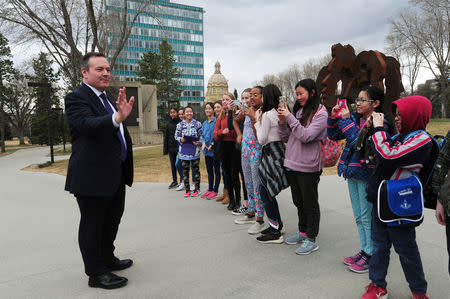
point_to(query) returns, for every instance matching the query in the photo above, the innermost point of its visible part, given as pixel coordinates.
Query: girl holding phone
(303, 130)
(355, 168)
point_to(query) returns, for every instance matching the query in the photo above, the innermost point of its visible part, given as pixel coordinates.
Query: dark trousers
(173, 160)
(404, 241)
(195, 173)
(447, 230)
(224, 177)
(213, 169)
(230, 162)
(99, 223)
(306, 198)
(271, 208)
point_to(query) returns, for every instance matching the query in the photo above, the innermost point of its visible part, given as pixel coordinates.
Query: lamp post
(61, 116)
(46, 87)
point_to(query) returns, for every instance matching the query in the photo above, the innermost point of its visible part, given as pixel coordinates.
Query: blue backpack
(402, 202)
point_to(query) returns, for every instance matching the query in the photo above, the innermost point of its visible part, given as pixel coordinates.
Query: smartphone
(237, 103)
(342, 103)
(282, 100)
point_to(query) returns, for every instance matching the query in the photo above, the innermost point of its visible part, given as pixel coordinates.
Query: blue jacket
(351, 163)
(207, 136)
(397, 156)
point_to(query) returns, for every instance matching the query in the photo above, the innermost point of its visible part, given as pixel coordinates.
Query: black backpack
(426, 174)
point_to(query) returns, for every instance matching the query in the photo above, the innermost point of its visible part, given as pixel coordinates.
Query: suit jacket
(95, 168)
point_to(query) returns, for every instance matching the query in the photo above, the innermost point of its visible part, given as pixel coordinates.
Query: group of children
(274, 148)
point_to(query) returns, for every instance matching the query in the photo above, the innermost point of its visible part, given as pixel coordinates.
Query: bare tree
(312, 66)
(70, 28)
(287, 79)
(424, 27)
(409, 58)
(268, 79)
(20, 105)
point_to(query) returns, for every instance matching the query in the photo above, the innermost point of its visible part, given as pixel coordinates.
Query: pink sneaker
(194, 194)
(361, 266)
(211, 195)
(419, 296)
(205, 195)
(187, 193)
(374, 292)
(352, 259)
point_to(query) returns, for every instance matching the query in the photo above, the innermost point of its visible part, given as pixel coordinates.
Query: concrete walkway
(185, 248)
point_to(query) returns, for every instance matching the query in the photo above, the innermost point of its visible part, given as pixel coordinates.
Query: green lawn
(152, 166)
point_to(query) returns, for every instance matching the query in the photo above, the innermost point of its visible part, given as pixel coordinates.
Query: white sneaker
(180, 187)
(245, 220)
(257, 228)
(192, 187)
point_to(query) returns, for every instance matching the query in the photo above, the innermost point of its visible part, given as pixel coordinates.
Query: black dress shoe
(107, 281)
(230, 207)
(117, 264)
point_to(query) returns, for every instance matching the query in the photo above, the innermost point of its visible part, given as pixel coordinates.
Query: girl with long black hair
(304, 130)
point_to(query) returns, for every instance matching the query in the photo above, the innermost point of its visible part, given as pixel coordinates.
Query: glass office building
(182, 27)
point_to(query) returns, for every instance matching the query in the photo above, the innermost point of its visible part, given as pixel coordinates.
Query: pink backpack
(331, 149)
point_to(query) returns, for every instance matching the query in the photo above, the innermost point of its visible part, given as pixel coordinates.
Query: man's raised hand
(124, 107)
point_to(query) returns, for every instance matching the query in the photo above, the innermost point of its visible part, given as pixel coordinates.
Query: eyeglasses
(363, 100)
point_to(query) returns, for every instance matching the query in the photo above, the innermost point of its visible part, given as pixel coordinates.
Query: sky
(251, 38)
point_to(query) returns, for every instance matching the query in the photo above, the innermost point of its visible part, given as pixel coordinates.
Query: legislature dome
(217, 85)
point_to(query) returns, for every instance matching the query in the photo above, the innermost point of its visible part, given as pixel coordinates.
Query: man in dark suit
(99, 167)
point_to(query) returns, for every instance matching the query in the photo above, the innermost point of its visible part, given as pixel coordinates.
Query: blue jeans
(179, 168)
(362, 211)
(213, 169)
(404, 241)
(271, 209)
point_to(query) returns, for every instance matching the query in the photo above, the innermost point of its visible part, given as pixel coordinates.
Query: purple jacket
(303, 151)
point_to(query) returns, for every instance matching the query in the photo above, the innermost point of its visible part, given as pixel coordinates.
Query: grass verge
(150, 165)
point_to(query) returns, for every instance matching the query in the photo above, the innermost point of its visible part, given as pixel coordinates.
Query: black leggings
(173, 159)
(306, 198)
(230, 163)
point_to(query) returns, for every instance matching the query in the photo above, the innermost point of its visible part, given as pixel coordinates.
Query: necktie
(123, 149)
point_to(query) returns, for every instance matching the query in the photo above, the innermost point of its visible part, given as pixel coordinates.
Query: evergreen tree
(43, 73)
(159, 69)
(6, 71)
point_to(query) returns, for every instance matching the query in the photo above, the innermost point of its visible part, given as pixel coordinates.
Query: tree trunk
(2, 129)
(443, 109)
(444, 83)
(20, 134)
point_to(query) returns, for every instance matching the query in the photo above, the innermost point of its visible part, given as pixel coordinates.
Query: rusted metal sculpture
(355, 71)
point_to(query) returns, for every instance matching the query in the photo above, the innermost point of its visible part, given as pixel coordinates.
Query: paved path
(185, 248)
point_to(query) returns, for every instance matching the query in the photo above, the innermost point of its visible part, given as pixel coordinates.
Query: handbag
(331, 149)
(400, 202)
